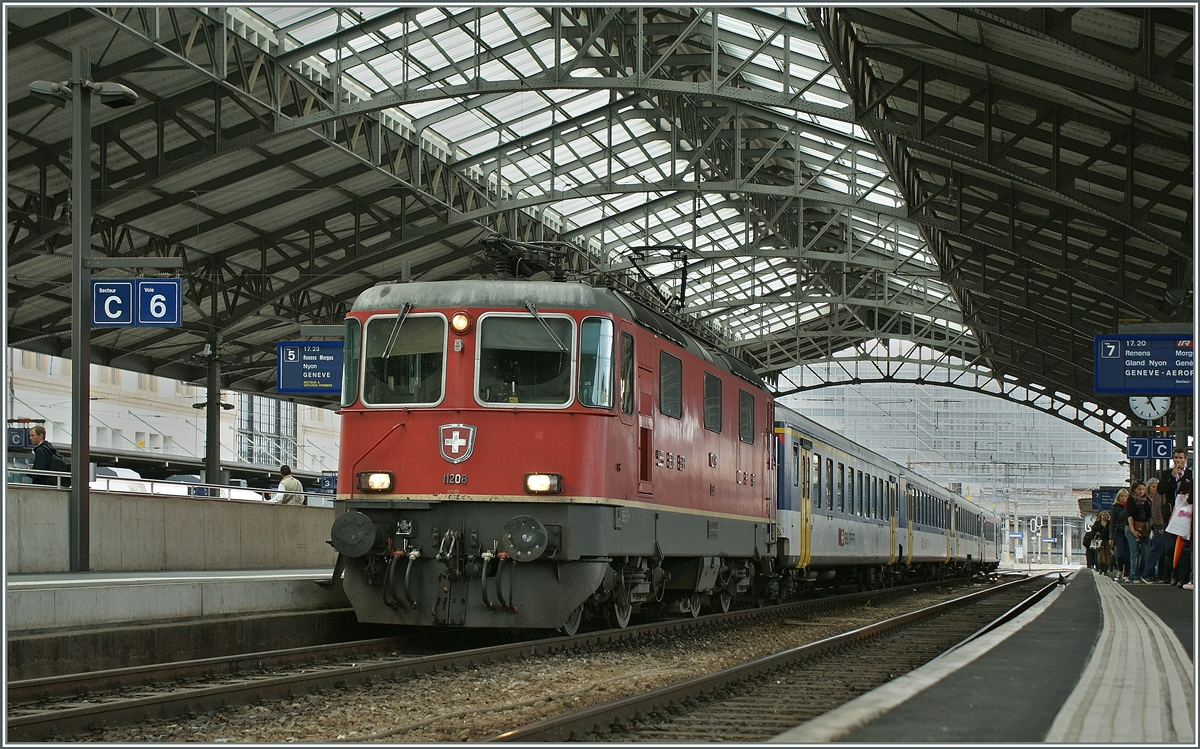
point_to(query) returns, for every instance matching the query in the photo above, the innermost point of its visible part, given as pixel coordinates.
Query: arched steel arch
(1104, 422)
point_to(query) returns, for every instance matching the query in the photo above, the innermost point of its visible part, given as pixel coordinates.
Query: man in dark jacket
(1168, 484)
(42, 451)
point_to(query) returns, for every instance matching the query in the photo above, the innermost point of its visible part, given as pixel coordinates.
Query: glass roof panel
(540, 139)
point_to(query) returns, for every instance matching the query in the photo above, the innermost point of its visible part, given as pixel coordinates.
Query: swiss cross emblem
(456, 441)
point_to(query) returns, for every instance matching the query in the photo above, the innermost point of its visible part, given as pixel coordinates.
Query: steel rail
(63, 721)
(583, 722)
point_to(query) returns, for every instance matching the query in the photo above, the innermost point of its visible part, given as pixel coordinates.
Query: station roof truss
(831, 193)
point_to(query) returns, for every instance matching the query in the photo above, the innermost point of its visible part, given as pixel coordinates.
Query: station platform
(62, 600)
(1096, 661)
(67, 622)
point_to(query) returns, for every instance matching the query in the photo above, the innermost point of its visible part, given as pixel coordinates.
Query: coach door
(893, 511)
(806, 516)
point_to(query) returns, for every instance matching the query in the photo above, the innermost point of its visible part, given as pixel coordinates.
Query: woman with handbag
(1100, 546)
(1137, 532)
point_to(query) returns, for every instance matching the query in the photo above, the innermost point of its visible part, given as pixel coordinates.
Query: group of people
(1146, 538)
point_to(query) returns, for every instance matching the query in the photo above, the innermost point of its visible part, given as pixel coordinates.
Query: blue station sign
(1102, 499)
(309, 367)
(1144, 365)
(141, 302)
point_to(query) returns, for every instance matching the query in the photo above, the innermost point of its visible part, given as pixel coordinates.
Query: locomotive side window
(522, 359)
(595, 362)
(712, 403)
(404, 360)
(627, 382)
(670, 385)
(351, 357)
(746, 418)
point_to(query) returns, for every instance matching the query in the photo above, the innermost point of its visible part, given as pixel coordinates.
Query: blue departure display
(1144, 365)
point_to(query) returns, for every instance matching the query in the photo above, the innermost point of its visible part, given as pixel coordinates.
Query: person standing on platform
(1181, 558)
(1158, 523)
(43, 451)
(1118, 542)
(1137, 530)
(1088, 551)
(1101, 532)
(290, 489)
(1168, 483)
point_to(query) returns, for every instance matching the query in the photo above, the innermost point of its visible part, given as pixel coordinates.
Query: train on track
(523, 453)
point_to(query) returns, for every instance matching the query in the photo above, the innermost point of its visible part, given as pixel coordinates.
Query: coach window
(841, 488)
(350, 357)
(626, 373)
(670, 385)
(404, 360)
(818, 486)
(746, 417)
(712, 402)
(595, 362)
(829, 483)
(795, 464)
(858, 500)
(524, 359)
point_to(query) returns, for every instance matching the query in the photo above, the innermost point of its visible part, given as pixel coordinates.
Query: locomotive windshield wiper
(533, 311)
(400, 318)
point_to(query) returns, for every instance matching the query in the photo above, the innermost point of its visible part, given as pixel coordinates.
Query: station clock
(1149, 408)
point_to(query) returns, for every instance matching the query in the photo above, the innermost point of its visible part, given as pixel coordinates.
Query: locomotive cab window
(595, 362)
(405, 360)
(746, 418)
(351, 358)
(524, 360)
(712, 403)
(670, 385)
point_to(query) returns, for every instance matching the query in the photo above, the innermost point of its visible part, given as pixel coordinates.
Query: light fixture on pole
(79, 90)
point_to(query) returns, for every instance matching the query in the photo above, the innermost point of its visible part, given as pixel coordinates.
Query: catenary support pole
(79, 513)
(212, 429)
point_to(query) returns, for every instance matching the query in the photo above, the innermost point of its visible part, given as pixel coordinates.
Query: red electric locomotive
(525, 453)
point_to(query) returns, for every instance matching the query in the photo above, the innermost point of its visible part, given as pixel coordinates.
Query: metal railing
(123, 485)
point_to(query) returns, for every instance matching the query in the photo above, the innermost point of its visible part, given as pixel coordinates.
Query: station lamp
(78, 90)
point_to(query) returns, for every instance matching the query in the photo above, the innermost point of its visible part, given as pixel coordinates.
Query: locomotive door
(645, 417)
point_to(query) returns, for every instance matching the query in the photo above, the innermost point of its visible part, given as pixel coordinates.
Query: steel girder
(722, 130)
(251, 275)
(1057, 202)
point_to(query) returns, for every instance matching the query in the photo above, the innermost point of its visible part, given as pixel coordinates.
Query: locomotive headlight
(376, 481)
(543, 483)
(461, 322)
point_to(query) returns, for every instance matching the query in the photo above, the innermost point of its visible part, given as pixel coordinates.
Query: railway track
(70, 705)
(755, 701)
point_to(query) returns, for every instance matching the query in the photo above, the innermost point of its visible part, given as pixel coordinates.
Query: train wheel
(725, 601)
(574, 619)
(622, 611)
(695, 604)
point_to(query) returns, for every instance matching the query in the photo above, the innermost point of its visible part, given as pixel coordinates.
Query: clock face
(1149, 408)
